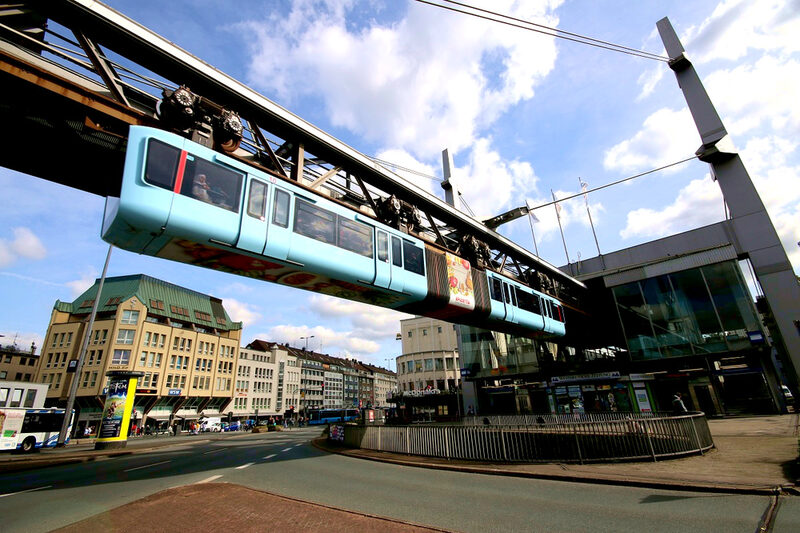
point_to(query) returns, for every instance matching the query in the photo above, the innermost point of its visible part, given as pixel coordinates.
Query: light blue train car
(185, 202)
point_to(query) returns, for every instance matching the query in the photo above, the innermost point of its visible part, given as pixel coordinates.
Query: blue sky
(522, 113)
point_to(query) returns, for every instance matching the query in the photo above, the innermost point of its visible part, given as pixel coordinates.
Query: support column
(752, 231)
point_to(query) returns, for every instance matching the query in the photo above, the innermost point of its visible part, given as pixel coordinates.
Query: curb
(321, 444)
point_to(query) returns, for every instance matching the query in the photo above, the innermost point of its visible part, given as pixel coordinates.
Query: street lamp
(306, 338)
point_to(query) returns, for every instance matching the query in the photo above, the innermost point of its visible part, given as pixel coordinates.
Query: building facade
(268, 382)
(430, 358)
(17, 365)
(181, 340)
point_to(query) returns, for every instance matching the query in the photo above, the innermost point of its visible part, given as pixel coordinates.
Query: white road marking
(269, 456)
(296, 445)
(209, 479)
(286, 449)
(24, 491)
(243, 466)
(214, 451)
(145, 466)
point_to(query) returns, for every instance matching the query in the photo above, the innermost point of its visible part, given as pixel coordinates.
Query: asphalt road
(285, 463)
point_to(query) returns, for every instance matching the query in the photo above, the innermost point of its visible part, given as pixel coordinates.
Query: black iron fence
(544, 438)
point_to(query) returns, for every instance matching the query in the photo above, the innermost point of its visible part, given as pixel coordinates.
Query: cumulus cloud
(737, 27)
(426, 81)
(698, 204)
(24, 244)
(325, 340)
(367, 320)
(241, 311)
(78, 286)
(666, 136)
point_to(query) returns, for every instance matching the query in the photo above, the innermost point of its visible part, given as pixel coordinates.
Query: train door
(383, 269)
(397, 282)
(510, 303)
(253, 231)
(280, 234)
(208, 204)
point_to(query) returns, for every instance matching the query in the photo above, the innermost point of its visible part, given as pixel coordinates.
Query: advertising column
(117, 410)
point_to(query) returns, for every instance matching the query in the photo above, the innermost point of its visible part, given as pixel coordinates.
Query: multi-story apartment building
(430, 355)
(17, 365)
(267, 382)
(384, 385)
(181, 340)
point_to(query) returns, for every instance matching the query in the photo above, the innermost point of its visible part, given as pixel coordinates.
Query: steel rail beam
(117, 32)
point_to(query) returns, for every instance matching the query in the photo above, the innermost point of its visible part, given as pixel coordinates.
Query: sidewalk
(752, 455)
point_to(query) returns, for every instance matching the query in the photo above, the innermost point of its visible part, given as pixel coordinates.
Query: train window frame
(507, 293)
(151, 145)
(280, 217)
(413, 262)
(397, 251)
(264, 198)
(496, 289)
(383, 246)
(212, 183)
(348, 233)
(322, 227)
(529, 301)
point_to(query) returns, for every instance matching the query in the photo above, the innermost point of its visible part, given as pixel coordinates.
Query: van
(212, 425)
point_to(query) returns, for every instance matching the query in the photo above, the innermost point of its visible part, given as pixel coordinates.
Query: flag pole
(531, 219)
(584, 187)
(558, 216)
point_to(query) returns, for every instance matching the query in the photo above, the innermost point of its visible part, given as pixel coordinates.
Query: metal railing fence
(640, 438)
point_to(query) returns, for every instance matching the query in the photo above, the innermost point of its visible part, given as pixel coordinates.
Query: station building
(183, 342)
(665, 318)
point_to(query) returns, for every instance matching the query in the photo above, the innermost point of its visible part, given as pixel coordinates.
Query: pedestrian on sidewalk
(677, 404)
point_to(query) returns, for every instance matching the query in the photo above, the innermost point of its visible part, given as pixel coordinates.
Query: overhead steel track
(361, 180)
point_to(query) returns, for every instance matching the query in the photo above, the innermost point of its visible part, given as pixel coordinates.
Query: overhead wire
(623, 180)
(545, 30)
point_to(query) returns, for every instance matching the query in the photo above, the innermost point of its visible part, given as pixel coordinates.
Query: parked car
(787, 395)
(234, 426)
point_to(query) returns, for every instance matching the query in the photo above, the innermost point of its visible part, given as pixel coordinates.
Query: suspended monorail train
(188, 203)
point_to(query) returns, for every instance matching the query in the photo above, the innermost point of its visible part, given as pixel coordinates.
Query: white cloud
(241, 311)
(738, 26)
(25, 244)
(698, 204)
(81, 284)
(325, 340)
(666, 136)
(368, 321)
(422, 83)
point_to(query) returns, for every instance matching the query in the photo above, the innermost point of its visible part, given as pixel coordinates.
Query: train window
(383, 247)
(496, 289)
(508, 293)
(514, 296)
(257, 199)
(280, 209)
(528, 302)
(559, 312)
(547, 309)
(355, 236)
(162, 164)
(314, 222)
(413, 258)
(212, 183)
(397, 252)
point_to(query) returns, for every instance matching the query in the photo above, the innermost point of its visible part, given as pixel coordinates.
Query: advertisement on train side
(459, 279)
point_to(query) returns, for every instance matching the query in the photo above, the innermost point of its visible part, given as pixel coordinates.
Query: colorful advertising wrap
(459, 279)
(10, 427)
(117, 409)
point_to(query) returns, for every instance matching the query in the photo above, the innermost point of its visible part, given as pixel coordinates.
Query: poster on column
(117, 408)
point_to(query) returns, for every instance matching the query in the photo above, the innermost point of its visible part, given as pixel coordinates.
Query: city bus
(26, 430)
(331, 416)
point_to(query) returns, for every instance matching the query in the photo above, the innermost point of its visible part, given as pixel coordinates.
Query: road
(285, 463)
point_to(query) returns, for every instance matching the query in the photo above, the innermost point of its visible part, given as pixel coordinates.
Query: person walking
(678, 407)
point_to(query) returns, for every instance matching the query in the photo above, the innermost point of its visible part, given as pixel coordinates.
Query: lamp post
(306, 338)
